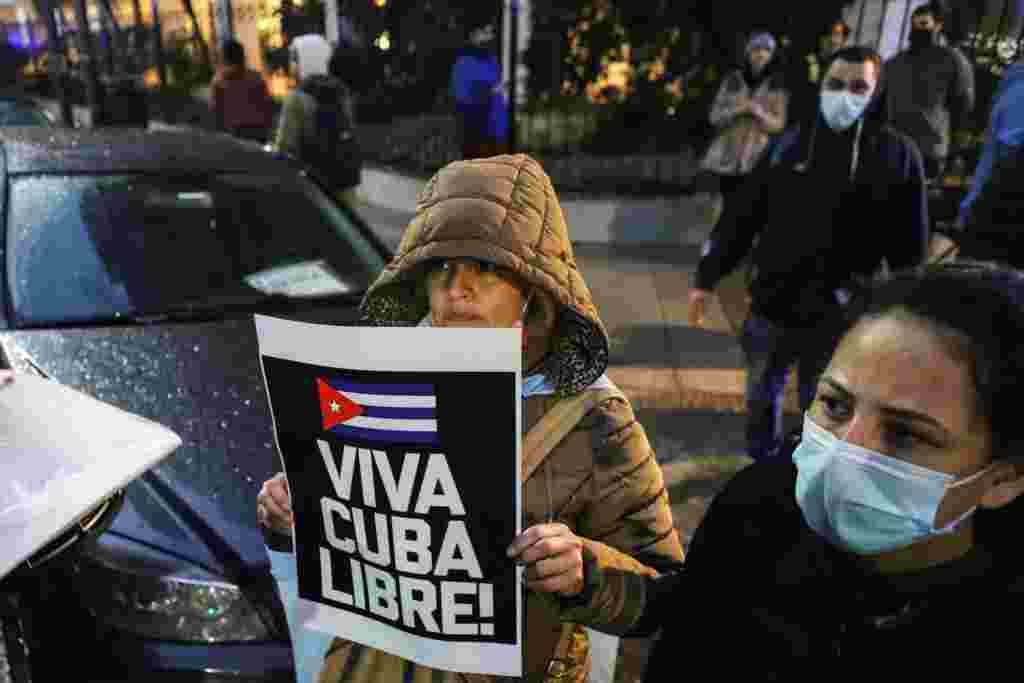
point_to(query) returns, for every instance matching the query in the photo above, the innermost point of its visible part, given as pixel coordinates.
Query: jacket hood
(502, 210)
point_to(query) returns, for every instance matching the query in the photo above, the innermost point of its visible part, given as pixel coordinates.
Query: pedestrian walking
(841, 193)
(930, 88)
(489, 247)
(477, 88)
(748, 110)
(318, 119)
(891, 525)
(239, 97)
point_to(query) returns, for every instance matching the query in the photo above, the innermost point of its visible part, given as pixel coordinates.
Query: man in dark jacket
(840, 195)
(239, 97)
(930, 88)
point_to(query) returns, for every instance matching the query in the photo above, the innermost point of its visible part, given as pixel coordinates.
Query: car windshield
(104, 248)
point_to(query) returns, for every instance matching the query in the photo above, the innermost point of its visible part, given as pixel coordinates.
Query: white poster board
(61, 453)
(402, 452)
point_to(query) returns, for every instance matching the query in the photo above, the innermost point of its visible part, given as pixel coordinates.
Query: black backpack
(332, 150)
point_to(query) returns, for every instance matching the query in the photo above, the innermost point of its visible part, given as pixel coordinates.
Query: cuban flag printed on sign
(382, 413)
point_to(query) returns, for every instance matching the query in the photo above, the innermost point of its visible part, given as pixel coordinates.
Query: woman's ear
(1007, 485)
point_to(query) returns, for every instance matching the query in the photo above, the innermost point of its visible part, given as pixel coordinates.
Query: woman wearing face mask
(889, 533)
(489, 247)
(748, 110)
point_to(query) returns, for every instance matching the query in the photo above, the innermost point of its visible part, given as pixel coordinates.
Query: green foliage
(186, 70)
(677, 51)
(992, 51)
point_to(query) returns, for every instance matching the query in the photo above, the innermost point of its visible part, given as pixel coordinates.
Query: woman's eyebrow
(893, 411)
(915, 416)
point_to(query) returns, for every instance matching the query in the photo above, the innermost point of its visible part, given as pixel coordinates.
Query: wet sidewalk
(686, 384)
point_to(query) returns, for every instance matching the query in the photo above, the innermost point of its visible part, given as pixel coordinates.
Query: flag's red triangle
(335, 407)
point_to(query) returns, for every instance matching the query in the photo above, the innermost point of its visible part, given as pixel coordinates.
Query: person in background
(930, 88)
(804, 75)
(317, 123)
(841, 193)
(836, 38)
(1004, 136)
(309, 54)
(748, 110)
(891, 526)
(478, 90)
(239, 97)
(489, 247)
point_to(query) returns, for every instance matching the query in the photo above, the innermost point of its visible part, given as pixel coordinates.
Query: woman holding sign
(489, 247)
(890, 534)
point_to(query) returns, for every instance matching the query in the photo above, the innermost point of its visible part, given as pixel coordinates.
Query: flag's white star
(335, 407)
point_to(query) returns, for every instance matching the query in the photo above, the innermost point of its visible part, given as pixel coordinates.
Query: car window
(15, 114)
(99, 248)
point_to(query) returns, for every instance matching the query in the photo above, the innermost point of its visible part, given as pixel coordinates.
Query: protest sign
(63, 452)
(401, 449)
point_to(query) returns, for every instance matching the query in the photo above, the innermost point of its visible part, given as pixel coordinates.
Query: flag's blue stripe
(386, 436)
(401, 413)
(386, 389)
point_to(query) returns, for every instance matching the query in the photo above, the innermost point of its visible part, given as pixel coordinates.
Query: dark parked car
(134, 263)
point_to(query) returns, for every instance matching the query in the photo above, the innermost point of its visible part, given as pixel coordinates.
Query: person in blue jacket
(1005, 134)
(480, 104)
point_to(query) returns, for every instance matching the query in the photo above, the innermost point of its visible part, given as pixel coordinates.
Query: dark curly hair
(976, 310)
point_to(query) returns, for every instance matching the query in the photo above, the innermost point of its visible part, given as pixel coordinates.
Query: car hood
(203, 381)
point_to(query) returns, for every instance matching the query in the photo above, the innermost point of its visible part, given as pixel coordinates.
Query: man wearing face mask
(930, 88)
(841, 193)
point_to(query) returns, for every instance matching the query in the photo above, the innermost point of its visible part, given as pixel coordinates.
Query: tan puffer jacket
(602, 480)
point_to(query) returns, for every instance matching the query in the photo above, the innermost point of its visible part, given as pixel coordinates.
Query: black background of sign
(476, 416)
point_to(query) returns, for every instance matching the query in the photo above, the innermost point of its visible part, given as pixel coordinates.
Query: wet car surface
(134, 264)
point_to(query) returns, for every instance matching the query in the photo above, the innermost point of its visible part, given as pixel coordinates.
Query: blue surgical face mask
(864, 501)
(842, 108)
